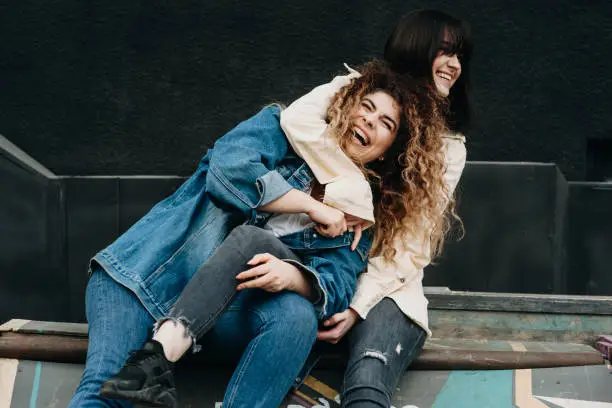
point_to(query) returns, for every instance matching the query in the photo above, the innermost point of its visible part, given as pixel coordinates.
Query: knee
(251, 236)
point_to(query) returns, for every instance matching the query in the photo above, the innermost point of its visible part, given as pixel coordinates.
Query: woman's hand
(355, 224)
(337, 326)
(273, 275)
(331, 220)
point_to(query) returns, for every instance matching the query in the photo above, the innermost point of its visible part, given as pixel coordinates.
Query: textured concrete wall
(108, 87)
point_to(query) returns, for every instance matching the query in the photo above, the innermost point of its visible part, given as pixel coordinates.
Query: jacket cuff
(271, 186)
(352, 196)
(360, 309)
(320, 296)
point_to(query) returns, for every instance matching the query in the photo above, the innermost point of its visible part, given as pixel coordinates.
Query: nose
(369, 120)
(454, 62)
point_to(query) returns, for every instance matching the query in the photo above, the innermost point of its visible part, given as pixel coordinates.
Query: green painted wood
(481, 325)
(444, 299)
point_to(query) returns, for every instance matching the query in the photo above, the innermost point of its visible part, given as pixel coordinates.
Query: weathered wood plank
(73, 349)
(484, 325)
(40, 327)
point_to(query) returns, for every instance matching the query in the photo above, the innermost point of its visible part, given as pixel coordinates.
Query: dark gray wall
(98, 210)
(527, 231)
(589, 238)
(32, 240)
(125, 87)
(514, 216)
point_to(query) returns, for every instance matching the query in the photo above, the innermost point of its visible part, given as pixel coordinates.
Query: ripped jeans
(273, 332)
(268, 334)
(380, 349)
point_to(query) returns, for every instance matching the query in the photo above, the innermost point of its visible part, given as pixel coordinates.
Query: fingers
(320, 230)
(253, 272)
(332, 336)
(260, 282)
(335, 319)
(330, 230)
(351, 220)
(259, 258)
(358, 232)
(325, 230)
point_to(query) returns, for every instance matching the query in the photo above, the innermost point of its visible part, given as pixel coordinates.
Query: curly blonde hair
(411, 198)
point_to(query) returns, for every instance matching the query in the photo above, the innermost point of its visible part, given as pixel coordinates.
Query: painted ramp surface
(36, 384)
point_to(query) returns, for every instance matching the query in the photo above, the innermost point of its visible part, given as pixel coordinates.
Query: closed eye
(389, 123)
(365, 103)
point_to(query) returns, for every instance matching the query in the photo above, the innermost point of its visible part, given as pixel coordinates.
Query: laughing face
(446, 70)
(375, 124)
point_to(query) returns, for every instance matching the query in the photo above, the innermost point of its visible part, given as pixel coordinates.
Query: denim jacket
(249, 167)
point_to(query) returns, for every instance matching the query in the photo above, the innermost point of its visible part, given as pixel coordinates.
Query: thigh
(249, 314)
(249, 240)
(383, 346)
(202, 303)
(269, 335)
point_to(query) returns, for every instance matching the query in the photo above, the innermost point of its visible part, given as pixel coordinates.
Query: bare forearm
(294, 201)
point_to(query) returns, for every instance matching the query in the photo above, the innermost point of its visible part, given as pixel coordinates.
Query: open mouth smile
(445, 75)
(361, 138)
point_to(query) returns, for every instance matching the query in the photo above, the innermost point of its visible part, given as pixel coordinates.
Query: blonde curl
(411, 198)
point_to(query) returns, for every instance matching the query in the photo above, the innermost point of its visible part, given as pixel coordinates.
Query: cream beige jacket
(304, 123)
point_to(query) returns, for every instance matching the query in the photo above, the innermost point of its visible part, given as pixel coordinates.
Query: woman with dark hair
(421, 37)
(388, 314)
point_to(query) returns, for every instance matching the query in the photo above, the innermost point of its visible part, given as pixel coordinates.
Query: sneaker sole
(163, 400)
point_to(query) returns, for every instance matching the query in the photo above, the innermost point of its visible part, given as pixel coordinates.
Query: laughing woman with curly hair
(260, 295)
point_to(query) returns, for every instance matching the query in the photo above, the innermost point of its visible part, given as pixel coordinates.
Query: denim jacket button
(402, 280)
(314, 235)
(298, 379)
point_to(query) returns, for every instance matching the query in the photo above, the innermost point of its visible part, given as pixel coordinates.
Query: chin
(443, 91)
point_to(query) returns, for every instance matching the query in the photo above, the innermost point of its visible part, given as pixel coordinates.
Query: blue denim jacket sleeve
(335, 272)
(242, 163)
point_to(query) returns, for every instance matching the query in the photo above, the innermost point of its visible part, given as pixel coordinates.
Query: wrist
(299, 283)
(312, 205)
(354, 313)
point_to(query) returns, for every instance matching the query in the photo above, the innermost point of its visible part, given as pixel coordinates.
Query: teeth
(445, 76)
(362, 139)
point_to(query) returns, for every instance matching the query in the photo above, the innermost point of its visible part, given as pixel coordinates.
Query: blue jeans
(255, 327)
(380, 349)
(118, 323)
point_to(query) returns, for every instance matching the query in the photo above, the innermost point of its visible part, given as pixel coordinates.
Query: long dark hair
(414, 44)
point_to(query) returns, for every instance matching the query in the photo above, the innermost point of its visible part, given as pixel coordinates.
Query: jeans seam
(240, 374)
(419, 340)
(98, 368)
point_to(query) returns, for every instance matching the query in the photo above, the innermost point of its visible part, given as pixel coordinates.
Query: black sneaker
(145, 378)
